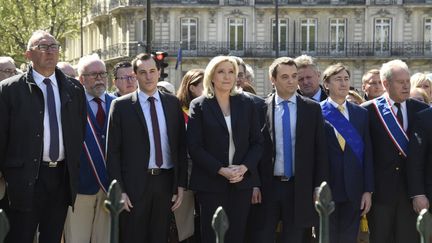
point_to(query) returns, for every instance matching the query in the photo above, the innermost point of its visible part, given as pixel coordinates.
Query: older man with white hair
(7, 67)
(89, 222)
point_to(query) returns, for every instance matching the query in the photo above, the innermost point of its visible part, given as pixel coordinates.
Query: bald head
(67, 69)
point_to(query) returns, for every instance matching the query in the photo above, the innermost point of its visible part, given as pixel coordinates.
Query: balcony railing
(266, 50)
(133, 3)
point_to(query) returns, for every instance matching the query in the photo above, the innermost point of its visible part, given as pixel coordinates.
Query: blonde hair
(419, 78)
(305, 61)
(209, 91)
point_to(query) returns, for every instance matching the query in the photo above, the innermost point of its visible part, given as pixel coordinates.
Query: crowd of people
(179, 156)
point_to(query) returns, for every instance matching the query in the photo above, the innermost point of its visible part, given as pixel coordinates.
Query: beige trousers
(90, 221)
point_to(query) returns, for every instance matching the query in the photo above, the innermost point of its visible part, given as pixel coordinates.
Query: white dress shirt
(278, 113)
(94, 105)
(38, 78)
(231, 150)
(145, 106)
(404, 112)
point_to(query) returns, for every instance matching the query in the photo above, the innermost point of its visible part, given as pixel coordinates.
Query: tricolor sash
(389, 120)
(345, 129)
(97, 153)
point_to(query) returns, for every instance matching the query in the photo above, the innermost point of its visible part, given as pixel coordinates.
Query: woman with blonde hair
(421, 80)
(225, 144)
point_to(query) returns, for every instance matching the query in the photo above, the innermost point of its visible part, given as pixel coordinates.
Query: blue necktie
(53, 123)
(286, 126)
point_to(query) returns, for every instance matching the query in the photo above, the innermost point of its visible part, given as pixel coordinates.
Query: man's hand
(420, 202)
(177, 198)
(256, 195)
(366, 203)
(127, 203)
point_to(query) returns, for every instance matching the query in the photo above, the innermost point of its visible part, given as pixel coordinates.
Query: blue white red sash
(391, 124)
(97, 153)
(345, 129)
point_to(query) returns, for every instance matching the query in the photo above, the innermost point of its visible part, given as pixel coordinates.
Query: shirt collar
(39, 78)
(317, 95)
(145, 96)
(91, 97)
(292, 99)
(403, 104)
(336, 104)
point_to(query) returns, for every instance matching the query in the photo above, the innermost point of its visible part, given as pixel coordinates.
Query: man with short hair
(146, 154)
(67, 69)
(372, 85)
(124, 79)
(391, 118)
(7, 68)
(295, 161)
(309, 78)
(42, 127)
(89, 221)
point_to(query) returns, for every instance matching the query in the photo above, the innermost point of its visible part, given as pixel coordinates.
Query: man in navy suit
(295, 157)
(89, 222)
(350, 156)
(391, 117)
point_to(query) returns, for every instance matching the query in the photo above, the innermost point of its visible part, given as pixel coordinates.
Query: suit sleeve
(114, 139)
(195, 140)
(182, 154)
(368, 157)
(322, 167)
(417, 157)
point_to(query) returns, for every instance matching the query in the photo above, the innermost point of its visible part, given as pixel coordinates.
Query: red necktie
(100, 114)
(156, 132)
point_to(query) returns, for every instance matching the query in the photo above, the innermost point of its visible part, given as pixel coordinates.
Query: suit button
(41, 112)
(30, 183)
(400, 154)
(397, 168)
(38, 135)
(35, 160)
(103, 136)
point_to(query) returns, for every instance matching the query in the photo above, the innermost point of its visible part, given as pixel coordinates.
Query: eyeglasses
(96, 75)
(126, 78)
(47, 47)
(9, 71)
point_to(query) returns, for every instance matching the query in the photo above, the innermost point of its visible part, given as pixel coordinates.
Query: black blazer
(389, 163)
(208, 141)
(128, 144)
(311, 161)
(419, 165)
(21, 133)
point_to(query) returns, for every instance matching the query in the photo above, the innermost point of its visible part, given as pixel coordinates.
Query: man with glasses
(42, 127)
(89, 221)
(7, 68)
(124, 79)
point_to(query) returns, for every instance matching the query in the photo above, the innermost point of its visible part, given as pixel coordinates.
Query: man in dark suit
(89, 221)
(309, 78)
(419, 164)
(297, 162)
(42, 126)
(147, 155)
(391, 117)
(350, 156)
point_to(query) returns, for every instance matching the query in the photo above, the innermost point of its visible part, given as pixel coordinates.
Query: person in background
(7, 67)
(372, 85)
(89, 221)
(67, 69)
(166, 87)
(354, 97)
(250, 75)
(225, 144)
(124, 79)
(421, 80)
(309, 78)
(420, 95)
(391, 118)
(350, 155)
(42, 129)
(191, 87)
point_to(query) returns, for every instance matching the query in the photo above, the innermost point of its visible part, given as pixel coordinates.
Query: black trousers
(236, 204)
(279, 205)
(149, 219)
(51, 199)
(345, 222)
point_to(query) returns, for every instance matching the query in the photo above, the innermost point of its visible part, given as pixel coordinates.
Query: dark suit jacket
(419, 165)
(128, 146)
(350, 178)
(311, 161)
(21, 133)
(208, 141)
(323, 93)
(389, 163)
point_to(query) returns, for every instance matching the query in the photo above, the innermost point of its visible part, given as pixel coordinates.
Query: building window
(283, 34)
(428, 34)
(337, 35)
(144, 30)
(236, 29)
(308, 34)
(189, 33)
(382, 34)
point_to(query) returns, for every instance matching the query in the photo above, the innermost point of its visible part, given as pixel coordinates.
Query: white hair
(386, 71)
(86, 60)
(6, 59)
